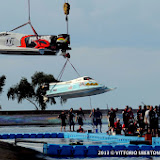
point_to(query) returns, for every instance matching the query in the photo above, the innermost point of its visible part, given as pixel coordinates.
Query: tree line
(30, 91)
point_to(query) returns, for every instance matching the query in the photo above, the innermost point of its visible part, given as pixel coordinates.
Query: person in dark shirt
(80, 116)
(63, 118)
(139, 112)
(71, 115)
(80, 130)
(125, 115)
(143, 111)
(130, 116)
(152, 120)
(156, 120)
(118, 126)
(98, 119)
(112, 116)
(141, 121)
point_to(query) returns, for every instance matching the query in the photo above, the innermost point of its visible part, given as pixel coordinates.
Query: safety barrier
(99, 150)
(117, 145)
(32, 135)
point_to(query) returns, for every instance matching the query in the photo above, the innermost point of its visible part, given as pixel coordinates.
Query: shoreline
(9, 151)
(51, 112)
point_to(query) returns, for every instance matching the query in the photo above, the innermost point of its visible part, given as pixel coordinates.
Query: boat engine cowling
(63, 41)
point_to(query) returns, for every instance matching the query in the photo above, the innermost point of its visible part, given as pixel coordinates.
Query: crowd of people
(145, 120)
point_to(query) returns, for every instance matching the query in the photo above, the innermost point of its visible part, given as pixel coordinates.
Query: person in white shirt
(147, 119)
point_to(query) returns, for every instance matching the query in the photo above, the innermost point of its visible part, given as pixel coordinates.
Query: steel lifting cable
(73, 67)
(90, 102)
(61, 73)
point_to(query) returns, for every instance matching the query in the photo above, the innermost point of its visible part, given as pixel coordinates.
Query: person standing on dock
(139, 114)
(80, 116)
(63, 118)
(152, 115)
(146, 119)
(112, 116)
(140, 118)
(130, 116)
(156, 121)
(144, 110)
(125, 115)
(93, 116)
(71, 115)
(99, 119)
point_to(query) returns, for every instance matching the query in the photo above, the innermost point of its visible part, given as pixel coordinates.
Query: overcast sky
(116, 42)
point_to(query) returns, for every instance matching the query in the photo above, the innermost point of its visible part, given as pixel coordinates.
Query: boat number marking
(9, 41)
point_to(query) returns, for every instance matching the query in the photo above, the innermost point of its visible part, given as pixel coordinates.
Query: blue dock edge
(32, 135)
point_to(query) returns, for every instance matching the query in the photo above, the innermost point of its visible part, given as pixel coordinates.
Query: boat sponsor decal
(82, 84)
(62, 39)
(23, 42)
(91, 84)
(42, 43)
(70, 87)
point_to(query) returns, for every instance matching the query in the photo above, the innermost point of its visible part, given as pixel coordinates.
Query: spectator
(143, 111)
(130, 115)
(93, 116)
(139, 113)
(141, 121)
(80, 130)
(146, 119)
(71, 115)
(125, 116)
(63, 118)
(112, 116)
(156, 121)
(80, 116)
(99, 119)
(117, 126)
(152, 120)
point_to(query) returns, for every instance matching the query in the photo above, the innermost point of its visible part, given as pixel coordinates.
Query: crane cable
(63, 69)
(29, 22)
(73, 67)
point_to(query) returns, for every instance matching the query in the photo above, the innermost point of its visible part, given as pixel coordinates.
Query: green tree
(2, 82)
(38, 79)
(32, 91)
(22, 91)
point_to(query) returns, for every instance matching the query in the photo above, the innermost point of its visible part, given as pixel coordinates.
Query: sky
(116, 42)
